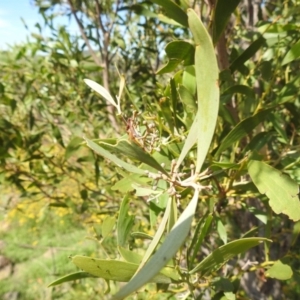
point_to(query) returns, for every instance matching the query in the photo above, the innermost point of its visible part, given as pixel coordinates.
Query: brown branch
(92, 52)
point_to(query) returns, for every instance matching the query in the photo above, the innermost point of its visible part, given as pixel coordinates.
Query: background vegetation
(59, 198)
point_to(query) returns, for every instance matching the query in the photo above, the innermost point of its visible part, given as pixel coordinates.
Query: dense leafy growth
(179, 169)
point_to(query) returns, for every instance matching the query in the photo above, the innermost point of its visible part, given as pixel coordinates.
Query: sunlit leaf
(130, 256)
(280, 271)
(158, 235)
(125, 222)
(293, 54)
(207, 74)
(107, 226)
(98, 149)
(222, 231)
(135, 258)
(177, 52)
(126, 184)
(189, 79)
(103, 92)
(173, 11)
(281, 190)
(202, 229)
(134, 151)
(112, 269)
(71, 277)
(166, 251)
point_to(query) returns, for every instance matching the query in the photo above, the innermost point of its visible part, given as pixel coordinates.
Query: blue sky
(12, 30)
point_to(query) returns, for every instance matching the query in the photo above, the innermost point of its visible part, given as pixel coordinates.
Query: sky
(12, 29)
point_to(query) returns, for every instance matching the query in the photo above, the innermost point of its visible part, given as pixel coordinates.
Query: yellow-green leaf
(112, 269)
(280, 271)
(207, 74)
(281, 190)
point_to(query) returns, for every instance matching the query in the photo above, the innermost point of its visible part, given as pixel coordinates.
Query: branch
(92, 52)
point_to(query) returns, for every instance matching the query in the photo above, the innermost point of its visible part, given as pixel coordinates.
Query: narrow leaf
(107, 226)
(134, 151)
(98, 149)
(292, 55)
(125, 222)
(223, 11)
(242, 129)
(207, 74)
(136, 258)
(239, 89)
(173, 11)
(112, 269)
(167, 250)
(281, 190)
(190, 140)
(102, 91)
(220, 256)
(198, 238)
(158, 234)
(71, 277)
(247, 54)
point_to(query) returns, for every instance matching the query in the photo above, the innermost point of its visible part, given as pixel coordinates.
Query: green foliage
(280, 189)
(173, 172)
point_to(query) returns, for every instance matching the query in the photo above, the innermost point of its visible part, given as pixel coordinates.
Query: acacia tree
(231, 172)
(246, 135)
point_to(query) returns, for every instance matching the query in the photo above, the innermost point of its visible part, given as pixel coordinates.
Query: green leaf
(190, 140)
(71, 277)
(292, 54)
(141, 10)
(220, 256)
(242, 129)
(103, 92)
(223, 284)
(143, 191)
(187, 99)
(281, 190)
(239, 89)
(177, 52)
(126, 184)
(189, 79)
(133, 151)
(130, 256)
(125, 222)
(98, 149)
(136, 258)
(167, 250)
(173, 11)
(247, 54)
(73, 146)
(108, 225)
(222, 231)
(280, 271)
(207, 74)
(112, 269)
(259, 141)
(198, 238)
(223, 11)
(158, 235)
